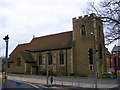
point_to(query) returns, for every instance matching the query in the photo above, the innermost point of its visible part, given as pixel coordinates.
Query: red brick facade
(113, 60)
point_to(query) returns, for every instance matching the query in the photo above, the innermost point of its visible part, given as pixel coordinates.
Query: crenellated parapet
(93, 15)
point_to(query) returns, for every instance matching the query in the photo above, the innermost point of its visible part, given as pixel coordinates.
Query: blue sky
(21, 19)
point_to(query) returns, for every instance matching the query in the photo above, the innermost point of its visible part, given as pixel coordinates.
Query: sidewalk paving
(63, 87)
(41, 81)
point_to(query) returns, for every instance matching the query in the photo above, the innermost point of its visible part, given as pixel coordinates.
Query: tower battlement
(93, 15)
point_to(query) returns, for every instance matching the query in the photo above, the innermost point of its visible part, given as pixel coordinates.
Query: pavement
(40, 82)
(64, 87)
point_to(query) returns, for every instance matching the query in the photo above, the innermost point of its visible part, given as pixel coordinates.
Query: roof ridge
(23, 44)
(51, 35)
(18, 46)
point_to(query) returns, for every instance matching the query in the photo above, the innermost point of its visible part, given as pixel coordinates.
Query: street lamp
(95, 61)
(6, 59)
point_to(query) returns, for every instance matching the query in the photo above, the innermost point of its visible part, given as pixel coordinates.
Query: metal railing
(84, 82)
(87, 82)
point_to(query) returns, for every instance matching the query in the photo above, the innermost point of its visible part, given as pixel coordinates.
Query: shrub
(72, 74)
(78, 75)
(43, 71)
(107, 75)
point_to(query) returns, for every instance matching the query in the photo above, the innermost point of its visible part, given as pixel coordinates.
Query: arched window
(61, 58)
(18, 61)
(50, 59)
(40, 60)
(83, 30)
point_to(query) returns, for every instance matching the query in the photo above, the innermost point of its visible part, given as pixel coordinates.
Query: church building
(68, 53)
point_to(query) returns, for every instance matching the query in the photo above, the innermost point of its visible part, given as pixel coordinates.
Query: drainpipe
(66, 62)
(25, 68)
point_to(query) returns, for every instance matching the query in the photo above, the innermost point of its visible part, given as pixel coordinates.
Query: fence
(85, 82)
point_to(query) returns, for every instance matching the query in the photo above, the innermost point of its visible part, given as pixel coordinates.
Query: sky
(21, 19)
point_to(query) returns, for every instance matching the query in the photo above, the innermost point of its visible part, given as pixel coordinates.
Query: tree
(109, 13)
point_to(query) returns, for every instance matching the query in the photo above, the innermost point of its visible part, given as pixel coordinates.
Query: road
(12, 84)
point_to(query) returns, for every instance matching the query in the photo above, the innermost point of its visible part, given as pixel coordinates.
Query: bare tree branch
(110, 19)
(109, 13)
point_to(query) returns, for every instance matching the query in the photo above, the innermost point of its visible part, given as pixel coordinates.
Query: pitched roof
(19, 48)
(116, 49)
(51, 42)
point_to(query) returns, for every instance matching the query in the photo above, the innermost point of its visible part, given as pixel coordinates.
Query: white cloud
(21, 19)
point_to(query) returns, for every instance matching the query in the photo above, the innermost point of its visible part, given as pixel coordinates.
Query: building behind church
(66, 52)
(113, 60)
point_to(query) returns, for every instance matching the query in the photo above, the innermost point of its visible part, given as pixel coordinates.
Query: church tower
(88, 37)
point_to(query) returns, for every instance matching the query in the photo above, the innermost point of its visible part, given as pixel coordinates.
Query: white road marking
(34, 86)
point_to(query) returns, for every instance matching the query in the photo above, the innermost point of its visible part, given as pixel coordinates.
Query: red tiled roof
(51, 42)
(20, 47)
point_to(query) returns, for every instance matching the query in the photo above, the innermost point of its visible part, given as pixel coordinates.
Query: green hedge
(43, 71)
(108, 75)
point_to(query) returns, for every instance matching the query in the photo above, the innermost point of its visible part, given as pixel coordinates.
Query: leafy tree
(109, 13)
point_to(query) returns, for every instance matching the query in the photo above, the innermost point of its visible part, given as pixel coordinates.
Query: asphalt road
(11, 85)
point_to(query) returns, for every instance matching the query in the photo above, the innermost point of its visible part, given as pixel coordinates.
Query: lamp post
(6, 58)
(95, 61)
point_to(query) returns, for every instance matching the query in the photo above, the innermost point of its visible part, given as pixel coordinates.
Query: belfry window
(99, 29)
(83, 30)
(100, 51)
